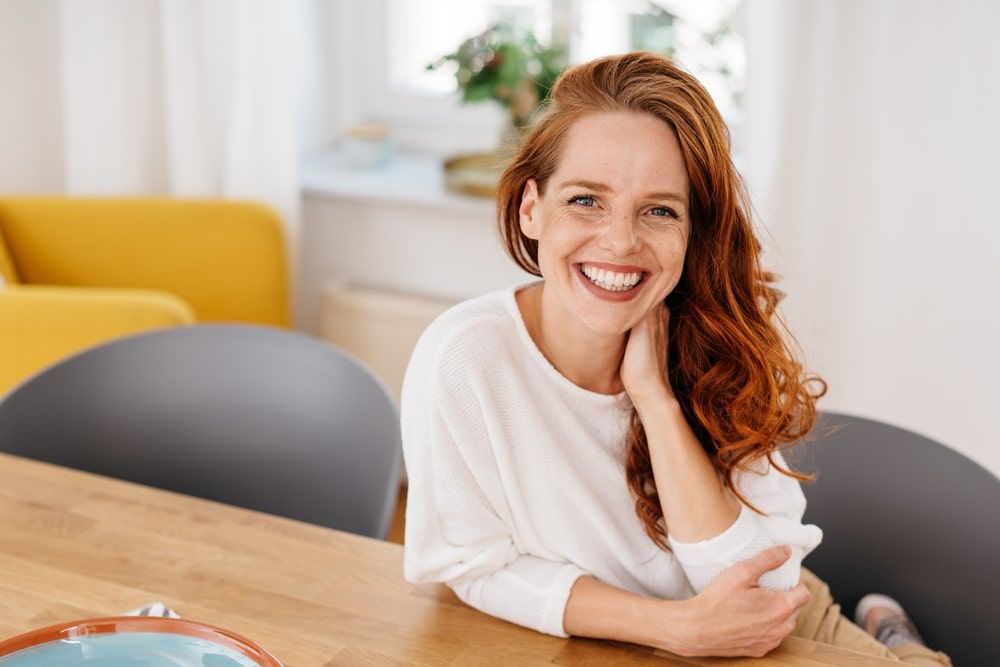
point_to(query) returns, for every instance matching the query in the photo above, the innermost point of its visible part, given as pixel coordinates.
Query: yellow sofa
(82, 271)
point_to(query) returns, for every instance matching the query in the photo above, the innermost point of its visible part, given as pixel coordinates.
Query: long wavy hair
(740, 386)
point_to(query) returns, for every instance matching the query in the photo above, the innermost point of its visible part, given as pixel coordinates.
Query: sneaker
(884, 618)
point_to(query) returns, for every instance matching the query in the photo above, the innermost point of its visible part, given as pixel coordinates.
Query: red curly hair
(741, 388)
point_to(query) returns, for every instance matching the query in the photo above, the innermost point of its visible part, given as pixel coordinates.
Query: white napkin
(154, 609)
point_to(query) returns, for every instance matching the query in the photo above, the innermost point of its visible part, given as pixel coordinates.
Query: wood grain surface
(75, 545)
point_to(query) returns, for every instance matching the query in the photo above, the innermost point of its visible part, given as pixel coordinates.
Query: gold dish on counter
(475, 174)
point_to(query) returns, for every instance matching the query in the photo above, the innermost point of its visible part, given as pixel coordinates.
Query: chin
(606, 326)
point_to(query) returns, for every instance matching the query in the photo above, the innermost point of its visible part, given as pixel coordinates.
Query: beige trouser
(821, 621)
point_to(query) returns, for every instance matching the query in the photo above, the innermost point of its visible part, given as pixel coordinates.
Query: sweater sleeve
(782, 502)
(456, 532)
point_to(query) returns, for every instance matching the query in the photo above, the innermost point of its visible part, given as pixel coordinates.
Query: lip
(617, 268)
(605, 295)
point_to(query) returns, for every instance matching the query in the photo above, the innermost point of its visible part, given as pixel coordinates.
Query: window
(423, 106)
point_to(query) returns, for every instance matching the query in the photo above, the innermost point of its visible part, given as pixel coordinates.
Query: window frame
(429, 122)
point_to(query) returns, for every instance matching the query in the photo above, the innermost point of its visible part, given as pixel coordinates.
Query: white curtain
(872, 149)
(170, 97)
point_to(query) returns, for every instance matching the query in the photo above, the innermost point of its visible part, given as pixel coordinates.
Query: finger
(799, 595)
(768, 559)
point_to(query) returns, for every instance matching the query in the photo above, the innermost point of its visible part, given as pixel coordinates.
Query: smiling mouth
(611, 281)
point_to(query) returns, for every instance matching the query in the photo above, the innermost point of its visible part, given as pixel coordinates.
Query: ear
(528, 219)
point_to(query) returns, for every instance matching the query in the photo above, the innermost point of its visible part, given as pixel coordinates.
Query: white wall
(874, 134)
(407, 247)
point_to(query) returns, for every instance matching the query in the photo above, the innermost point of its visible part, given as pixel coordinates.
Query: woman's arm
(732, 617)
(708, 529)
(696, 505)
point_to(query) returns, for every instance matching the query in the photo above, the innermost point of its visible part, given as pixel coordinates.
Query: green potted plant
(509, 66)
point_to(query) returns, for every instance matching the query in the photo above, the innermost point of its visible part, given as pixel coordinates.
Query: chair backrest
(224, 258)
(906, 516)
(252, 416)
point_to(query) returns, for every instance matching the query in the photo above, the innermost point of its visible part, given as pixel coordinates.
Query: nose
(622, 236)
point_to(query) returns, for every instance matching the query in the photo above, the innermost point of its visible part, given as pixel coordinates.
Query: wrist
(672, 627)
(654, 400)
(597, 609)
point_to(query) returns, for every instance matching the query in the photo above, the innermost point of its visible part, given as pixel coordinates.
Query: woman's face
(613, 224)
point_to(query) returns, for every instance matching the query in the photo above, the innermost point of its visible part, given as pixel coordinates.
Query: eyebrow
(601, 187)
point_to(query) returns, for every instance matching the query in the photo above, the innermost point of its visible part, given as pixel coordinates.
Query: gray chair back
(906, 516)
(253, 416)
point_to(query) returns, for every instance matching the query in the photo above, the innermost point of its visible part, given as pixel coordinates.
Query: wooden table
(75, 545)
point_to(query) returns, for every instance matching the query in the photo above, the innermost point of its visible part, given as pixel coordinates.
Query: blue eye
(582, 200)
(667, 212)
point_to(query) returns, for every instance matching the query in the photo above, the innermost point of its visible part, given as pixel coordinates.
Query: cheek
(563, 237)
(550, 255)
(670, 257)
(671, 251)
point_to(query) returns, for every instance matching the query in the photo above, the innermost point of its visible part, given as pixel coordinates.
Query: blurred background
(867, 133)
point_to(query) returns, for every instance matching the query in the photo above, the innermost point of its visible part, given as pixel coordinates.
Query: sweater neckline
(621, 399)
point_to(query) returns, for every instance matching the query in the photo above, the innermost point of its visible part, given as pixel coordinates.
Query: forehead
(630, 152)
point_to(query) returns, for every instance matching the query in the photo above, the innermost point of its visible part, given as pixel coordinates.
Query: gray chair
(253, 416)
(904, 515)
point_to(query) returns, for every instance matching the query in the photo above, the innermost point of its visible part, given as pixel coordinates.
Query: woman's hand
(732, 617)
(736, 617)
(647, 357)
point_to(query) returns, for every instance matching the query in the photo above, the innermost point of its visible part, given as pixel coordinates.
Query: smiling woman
(598, 453)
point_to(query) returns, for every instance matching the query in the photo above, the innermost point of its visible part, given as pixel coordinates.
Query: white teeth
(609, 280)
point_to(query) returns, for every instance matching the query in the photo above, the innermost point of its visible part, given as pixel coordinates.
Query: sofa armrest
(40, 325)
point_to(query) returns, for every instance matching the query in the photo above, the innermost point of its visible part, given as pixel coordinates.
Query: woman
(597, 453)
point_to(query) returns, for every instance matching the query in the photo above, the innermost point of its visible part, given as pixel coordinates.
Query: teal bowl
(133, 641)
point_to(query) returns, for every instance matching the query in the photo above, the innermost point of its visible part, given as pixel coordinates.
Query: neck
(591, 361)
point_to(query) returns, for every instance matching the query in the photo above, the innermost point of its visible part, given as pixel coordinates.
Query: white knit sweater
(517, 481)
